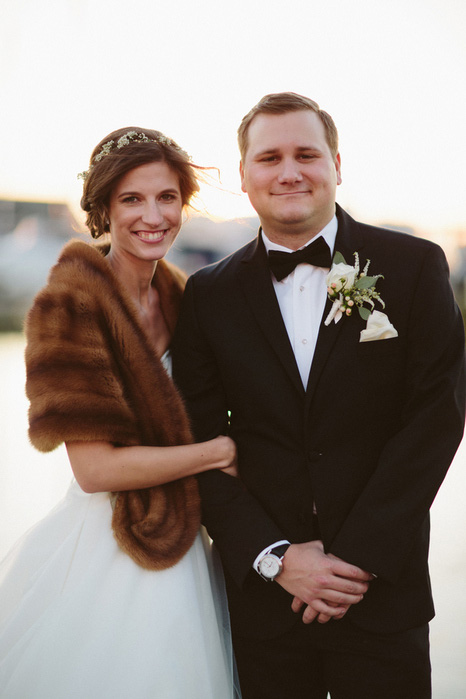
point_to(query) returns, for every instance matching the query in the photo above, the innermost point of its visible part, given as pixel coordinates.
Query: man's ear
(241, 174)
(338, 168)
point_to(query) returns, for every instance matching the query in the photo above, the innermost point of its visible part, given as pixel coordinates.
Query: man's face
(290, 175)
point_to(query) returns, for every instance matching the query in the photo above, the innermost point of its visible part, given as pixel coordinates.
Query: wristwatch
(270, 565)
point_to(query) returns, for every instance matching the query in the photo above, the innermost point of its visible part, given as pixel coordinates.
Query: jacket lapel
(255, 278)
(348, 241)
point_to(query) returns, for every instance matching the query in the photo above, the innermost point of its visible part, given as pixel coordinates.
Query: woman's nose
(152, 214)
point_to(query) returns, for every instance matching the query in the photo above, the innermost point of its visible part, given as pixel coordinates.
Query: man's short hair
(281, 103)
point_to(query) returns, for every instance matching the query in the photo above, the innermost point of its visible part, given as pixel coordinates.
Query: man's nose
(289, 171)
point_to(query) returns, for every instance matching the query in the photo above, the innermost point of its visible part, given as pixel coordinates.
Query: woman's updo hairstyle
(121, 151)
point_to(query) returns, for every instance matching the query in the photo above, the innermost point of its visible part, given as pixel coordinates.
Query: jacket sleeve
(378, 531)
(224, 499)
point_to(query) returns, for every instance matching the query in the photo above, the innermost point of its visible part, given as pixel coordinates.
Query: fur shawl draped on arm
(92, 374)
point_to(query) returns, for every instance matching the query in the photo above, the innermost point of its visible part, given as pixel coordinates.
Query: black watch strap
(280, 550)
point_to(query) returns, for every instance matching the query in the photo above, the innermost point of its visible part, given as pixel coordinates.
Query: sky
(390, 72)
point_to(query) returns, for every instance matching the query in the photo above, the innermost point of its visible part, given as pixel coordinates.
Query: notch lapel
(348, 241)
(255, 278)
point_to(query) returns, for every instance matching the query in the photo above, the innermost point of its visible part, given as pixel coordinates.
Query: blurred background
(392, 75)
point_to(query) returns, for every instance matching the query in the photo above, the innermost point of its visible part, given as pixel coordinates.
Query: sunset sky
(392, 74)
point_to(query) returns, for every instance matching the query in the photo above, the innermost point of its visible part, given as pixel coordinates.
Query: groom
(347, 407)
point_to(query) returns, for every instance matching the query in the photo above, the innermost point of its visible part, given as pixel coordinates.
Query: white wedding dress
(79, 619)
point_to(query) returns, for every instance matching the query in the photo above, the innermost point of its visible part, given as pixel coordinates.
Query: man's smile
(288, 194)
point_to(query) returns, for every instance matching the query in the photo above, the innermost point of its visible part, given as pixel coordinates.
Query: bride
(116, 593)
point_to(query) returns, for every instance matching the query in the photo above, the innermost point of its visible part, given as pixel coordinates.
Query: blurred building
(33, 233)
(31, 236)
(203, 240)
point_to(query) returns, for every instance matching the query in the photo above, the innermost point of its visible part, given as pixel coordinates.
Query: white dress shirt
(302, 296)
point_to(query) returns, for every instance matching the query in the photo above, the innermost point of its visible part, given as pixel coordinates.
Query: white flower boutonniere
(349, 288)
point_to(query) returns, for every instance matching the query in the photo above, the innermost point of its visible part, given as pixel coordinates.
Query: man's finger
(319, 607)
(296, 604)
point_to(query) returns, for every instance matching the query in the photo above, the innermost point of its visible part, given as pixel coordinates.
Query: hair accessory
(129, 137)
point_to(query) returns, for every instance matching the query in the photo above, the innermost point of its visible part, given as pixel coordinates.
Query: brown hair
(280, 103)
(114, 162)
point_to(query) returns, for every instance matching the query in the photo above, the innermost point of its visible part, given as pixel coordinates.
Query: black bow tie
(283, 263)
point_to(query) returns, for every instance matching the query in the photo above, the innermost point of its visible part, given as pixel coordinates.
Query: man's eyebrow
(300, 149)
(267, 151)
(314, 149)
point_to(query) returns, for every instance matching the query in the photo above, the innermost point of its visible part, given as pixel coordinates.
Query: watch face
(269, 566)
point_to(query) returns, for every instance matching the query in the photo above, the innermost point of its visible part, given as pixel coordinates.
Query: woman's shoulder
(76, 268)
(74, 288)
(78, 254)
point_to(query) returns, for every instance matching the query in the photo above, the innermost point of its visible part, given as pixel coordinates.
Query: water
(31, 483)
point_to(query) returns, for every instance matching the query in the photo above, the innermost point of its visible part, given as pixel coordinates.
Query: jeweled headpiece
(130, 137)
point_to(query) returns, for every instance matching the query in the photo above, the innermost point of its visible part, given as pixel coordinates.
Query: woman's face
(145, 212)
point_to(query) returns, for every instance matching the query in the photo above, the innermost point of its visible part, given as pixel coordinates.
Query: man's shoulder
(225, 267)
(396, 238)
(388, 243)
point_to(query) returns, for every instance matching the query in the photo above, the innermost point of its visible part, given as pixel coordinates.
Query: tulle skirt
(78, 618)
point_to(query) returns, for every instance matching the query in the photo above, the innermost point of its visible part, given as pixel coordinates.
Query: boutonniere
(349, 288)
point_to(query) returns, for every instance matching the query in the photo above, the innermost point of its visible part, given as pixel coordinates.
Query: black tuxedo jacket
(369, 441)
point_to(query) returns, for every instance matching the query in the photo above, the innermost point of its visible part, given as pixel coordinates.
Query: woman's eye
(169, 197)
(129, 200)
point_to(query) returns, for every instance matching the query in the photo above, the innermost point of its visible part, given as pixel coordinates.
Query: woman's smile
(151, 236)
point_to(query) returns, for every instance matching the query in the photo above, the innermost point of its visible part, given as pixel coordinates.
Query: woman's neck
(135, 275)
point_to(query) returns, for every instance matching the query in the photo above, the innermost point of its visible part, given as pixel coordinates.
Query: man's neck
(295, 241)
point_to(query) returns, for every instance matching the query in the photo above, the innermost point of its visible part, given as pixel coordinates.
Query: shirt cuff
(255, 565)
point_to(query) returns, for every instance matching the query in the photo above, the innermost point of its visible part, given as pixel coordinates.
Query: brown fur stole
(92, 374)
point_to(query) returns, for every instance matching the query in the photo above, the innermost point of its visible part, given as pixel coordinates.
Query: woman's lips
(151, 236)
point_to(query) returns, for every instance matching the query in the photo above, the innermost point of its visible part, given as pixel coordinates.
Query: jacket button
(314, 455)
